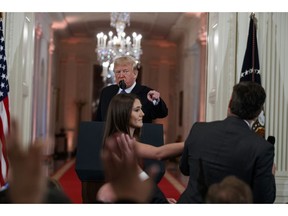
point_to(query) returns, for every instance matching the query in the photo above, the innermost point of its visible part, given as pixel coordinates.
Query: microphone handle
(122, 84)
(271, 139)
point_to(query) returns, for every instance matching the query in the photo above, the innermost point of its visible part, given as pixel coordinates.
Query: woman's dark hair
(118, 115)
(247, 100)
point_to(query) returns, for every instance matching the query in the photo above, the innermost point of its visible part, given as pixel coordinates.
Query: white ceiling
(152, 26)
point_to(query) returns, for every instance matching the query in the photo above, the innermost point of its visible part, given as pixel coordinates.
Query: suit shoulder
(207, 124)
(258, 142)
(144, 88)
(140, 89)
(198, 126)
(110, 87)
(262, 141)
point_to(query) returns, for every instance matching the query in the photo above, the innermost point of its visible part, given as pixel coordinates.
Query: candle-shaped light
(110, 35)
(137, 42)
(109, 43)
(98, 40)
(105, 39)
(128, 42)
(134, 38)
(101, 34)
(105, 70)
(139, 37)
(115, 40)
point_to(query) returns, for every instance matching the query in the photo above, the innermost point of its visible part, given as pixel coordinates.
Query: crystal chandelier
(108, 47)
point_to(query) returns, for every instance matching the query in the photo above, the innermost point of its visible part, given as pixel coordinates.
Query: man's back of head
(247, 100)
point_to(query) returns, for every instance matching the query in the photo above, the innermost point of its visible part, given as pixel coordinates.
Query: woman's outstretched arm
(159, 153)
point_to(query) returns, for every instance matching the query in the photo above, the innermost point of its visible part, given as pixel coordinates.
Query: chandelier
(108, 47)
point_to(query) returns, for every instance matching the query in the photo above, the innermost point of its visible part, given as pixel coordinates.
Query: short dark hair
(247, 100)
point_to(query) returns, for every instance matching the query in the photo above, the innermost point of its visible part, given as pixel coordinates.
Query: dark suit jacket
(225, 148)
(151, 112)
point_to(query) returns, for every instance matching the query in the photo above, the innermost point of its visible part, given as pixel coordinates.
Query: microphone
(122, 84)
(271, 139)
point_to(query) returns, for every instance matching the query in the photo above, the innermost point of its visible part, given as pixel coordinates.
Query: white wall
(75, 84)
(28, 50)
(192, 71)
(42, 80)
(19, 40)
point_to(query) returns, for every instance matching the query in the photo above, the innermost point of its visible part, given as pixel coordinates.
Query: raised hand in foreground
(121, 170)
(27, 181)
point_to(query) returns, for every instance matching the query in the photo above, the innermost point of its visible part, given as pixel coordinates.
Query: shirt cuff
(156, 102)
(143, 176)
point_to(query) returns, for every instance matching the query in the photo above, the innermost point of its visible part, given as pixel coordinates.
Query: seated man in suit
(214, 150)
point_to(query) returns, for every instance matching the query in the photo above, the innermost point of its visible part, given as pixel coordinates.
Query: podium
(89, 167)
(88, 164)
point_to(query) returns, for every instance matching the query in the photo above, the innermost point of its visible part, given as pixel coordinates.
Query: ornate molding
(192, 50)
(51, 46)
(38, 31)
(8, 35)
(202, 36)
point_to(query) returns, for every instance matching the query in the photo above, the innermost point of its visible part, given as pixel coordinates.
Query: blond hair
(122, 60)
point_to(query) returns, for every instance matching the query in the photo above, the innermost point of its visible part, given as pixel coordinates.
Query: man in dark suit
(125, 69)
(214, 150)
